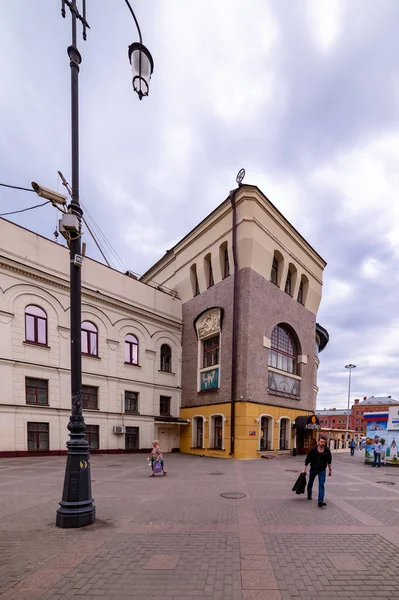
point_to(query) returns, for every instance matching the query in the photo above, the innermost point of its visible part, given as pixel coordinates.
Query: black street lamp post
(76, 507)
(350, 367)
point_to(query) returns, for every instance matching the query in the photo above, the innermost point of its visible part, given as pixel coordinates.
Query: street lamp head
(142, 68)
(350, 366)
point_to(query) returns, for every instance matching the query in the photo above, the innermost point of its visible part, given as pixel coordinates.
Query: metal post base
(77, 508)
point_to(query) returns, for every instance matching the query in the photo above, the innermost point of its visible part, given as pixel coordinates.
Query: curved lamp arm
(135, 20)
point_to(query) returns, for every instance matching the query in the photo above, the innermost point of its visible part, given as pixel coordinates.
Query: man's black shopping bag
(300, 484)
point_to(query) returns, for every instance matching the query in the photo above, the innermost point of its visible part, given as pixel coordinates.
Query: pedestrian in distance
(319, 459)
(352, 447)
(377, 452)
(156, 457)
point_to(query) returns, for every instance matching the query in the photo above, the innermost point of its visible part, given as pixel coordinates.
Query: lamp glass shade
(142, 68)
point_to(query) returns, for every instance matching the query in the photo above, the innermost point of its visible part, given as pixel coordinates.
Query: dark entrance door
(132, 439)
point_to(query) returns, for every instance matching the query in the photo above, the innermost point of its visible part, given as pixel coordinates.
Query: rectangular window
(89, 397)
(38, 436)
(93, 436)
(211, 352)
(131, 402)
(132, 440)
(36, 391)
(164, 406)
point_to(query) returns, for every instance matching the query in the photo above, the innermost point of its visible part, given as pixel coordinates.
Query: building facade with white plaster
(131, 346)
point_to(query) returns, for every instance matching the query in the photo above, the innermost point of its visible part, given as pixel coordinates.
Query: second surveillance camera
(48, 194)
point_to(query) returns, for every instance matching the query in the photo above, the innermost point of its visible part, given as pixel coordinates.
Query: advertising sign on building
(393, 418)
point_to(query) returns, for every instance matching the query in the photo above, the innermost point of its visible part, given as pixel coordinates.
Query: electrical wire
(106, 245)
(16, 187)
(14, 212)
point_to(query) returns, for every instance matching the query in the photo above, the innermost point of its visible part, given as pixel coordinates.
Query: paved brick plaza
(176, 538)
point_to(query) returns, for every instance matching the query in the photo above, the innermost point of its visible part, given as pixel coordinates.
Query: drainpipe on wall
(234, 355)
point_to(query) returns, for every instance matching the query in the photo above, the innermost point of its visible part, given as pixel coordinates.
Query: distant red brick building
(334, 418)
(372, 404)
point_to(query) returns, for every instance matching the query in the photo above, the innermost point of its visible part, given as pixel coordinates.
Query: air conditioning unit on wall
(119, 429)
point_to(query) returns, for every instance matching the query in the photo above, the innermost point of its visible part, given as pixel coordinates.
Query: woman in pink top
(156, 455)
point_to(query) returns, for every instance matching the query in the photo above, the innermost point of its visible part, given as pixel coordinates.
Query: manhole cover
(291, 471)
(386, 482)
(216, 473)
(233, 496)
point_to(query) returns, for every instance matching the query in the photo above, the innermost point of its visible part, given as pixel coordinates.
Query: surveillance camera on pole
(54, 197)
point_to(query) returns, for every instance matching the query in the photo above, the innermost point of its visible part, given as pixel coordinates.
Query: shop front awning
(307, 422)
(171, 420)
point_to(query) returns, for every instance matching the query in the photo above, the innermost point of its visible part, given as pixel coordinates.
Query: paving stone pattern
(334, 566)
(176, 538)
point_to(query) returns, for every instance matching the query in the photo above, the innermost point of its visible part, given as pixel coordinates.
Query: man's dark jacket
(300, 484)
(318, 460)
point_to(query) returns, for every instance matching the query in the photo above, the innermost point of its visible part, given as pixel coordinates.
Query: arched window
(89, 339)
(208, 271)
(283, 353)
(284, 434)
(274, 272)
(303, 290)
(166, 358)
(131, 349)
(266, 433)
(35, 325)
(198, 432)
(194, 280)
(224, 260)
(288, 284)
(216, 431)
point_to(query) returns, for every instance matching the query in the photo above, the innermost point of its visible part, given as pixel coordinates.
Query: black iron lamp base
(76, 507)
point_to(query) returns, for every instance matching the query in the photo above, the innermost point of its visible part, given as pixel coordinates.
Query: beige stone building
(250, 286)
(131, 344)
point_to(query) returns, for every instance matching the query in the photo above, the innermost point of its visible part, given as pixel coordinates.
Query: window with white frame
(217, 432)
(198, 432)
(266, 433)
(209, 356)
(284, 437)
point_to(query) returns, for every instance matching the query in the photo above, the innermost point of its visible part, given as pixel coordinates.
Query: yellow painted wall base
(247, 429)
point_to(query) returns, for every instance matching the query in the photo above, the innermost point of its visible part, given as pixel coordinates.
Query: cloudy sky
(302, 93)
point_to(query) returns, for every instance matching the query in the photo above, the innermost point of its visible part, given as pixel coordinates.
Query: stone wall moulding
(64, 332)
(267, 343)
(112, 344)
(6, 317)
(209, 323)
(150, 354)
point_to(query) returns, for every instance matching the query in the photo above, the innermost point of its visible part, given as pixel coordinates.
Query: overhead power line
(16, 187)
(14, 212)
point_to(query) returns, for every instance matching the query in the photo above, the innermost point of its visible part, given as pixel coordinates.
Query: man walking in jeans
(319, 458)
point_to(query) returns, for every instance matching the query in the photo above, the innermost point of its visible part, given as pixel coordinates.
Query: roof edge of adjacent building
(169, 253)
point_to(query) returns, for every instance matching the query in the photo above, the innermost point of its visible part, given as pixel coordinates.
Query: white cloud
(325, 19)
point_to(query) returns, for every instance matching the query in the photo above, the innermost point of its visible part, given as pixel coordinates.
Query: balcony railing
(284, 385)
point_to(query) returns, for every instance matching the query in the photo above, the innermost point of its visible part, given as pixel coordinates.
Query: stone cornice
(55, 281)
